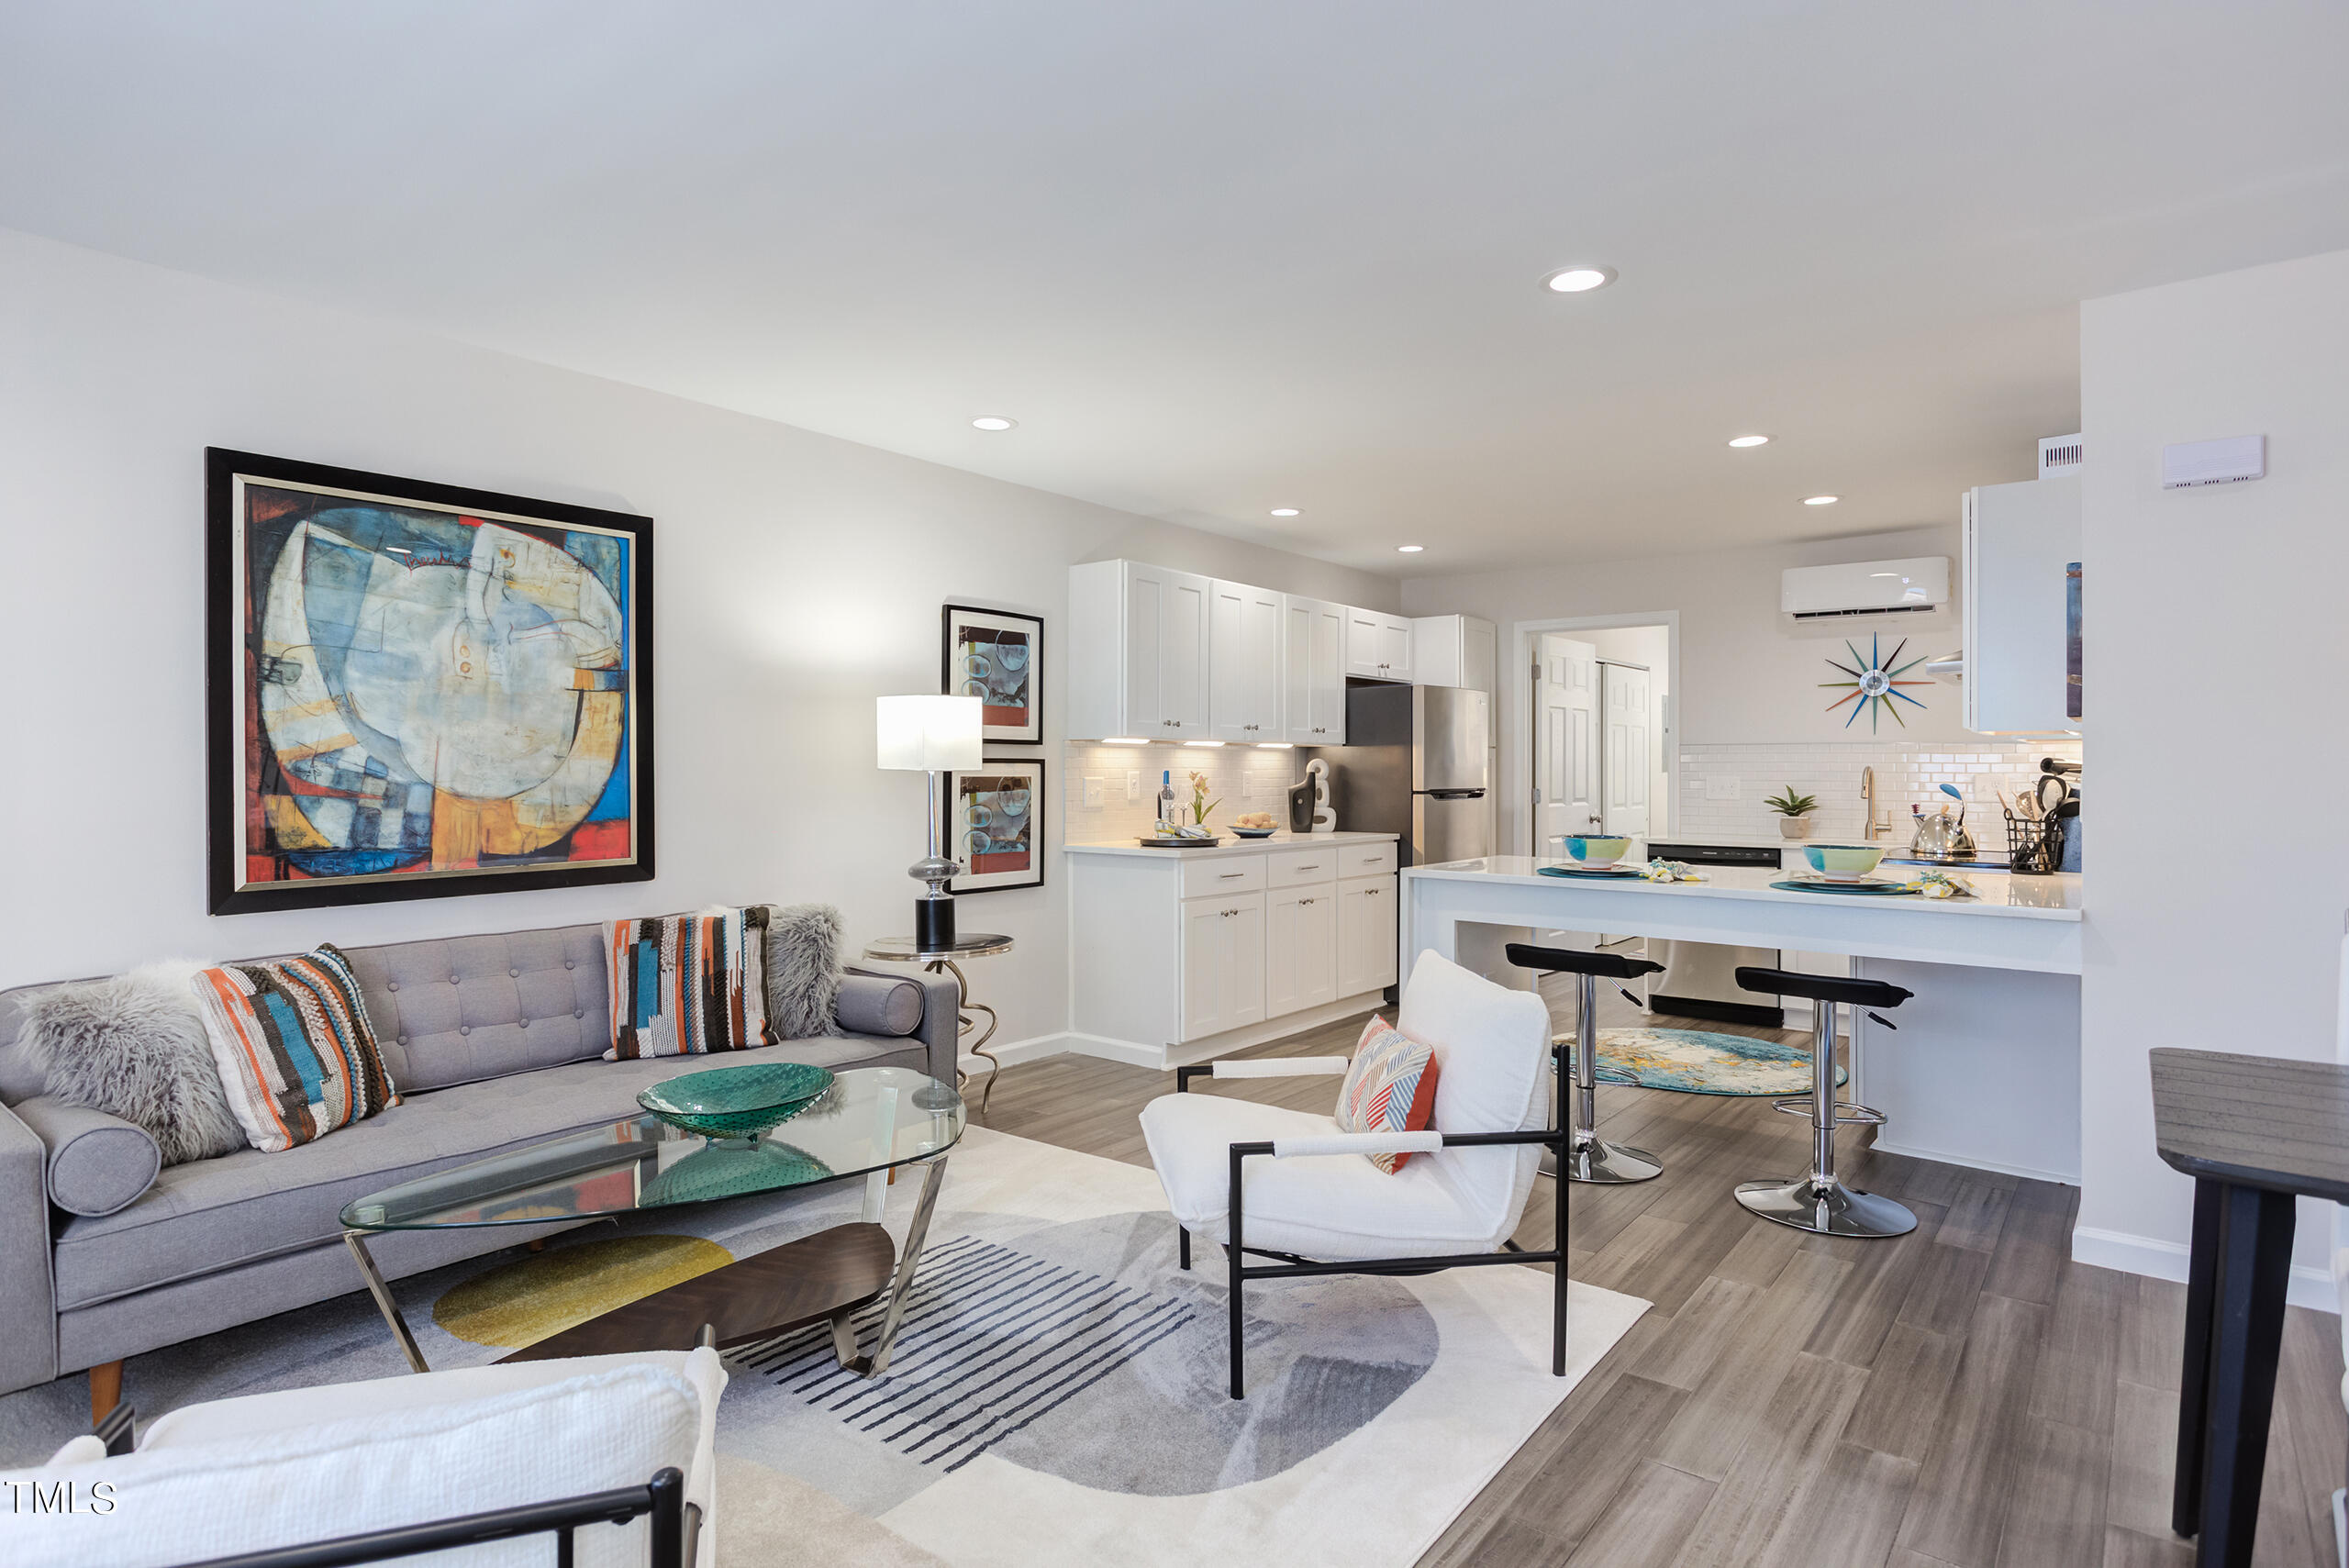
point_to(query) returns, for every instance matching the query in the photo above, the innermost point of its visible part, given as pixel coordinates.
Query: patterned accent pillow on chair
(687, 985)
(296, 1055)
(1390, 1087)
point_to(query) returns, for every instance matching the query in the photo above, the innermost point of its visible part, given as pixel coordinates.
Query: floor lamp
(936, 736)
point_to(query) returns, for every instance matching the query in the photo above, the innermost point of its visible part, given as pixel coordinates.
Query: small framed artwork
(998, 656)
(997, 815)
(419, 691)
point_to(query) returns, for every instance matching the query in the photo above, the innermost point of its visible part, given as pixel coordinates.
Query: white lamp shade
(927, 734)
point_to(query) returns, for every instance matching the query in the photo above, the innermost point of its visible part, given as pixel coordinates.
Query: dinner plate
(1877, 886)
(1587, 870)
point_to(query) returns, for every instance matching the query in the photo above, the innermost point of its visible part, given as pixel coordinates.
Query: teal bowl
(1597, 853)
(1842, 862)
(736, 1102)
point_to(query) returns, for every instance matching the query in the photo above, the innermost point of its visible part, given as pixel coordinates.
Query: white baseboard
(2311, 1287)
(1132, 1052)
(2027, 1172)
(1166, 1057)
(1012, 1053)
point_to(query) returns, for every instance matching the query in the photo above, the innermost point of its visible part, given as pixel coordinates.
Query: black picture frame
(233, 658)
(1030, 732)
(966, 884)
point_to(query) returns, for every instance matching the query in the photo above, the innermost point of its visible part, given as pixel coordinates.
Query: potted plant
(1794, 812)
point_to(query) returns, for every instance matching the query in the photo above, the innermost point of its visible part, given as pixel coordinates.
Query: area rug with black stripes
(1057, 1394)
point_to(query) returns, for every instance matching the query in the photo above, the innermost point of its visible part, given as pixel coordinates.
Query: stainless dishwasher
(1699, 979)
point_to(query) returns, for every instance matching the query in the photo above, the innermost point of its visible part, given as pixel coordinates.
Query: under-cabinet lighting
(1275, 745)
(1202, 743)
(1125, 740)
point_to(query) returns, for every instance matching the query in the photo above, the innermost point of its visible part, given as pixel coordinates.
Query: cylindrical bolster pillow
(97, 1163)
(876, 1004)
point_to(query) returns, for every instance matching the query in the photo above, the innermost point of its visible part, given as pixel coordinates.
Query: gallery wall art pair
(998, 656)
(419, 691)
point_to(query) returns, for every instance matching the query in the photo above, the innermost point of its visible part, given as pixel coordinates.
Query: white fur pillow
(133, 1046)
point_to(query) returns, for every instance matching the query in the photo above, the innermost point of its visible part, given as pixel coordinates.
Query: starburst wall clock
(1875, 680)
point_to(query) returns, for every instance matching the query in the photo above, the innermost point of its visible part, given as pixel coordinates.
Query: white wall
(798, 576)
(2211, 613)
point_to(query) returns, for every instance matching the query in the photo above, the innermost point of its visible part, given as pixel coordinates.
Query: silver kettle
(1942, 836)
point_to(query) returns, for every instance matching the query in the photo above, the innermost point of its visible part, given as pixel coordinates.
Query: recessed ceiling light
(1408, 548)
(992, 422)
(1749, 440)
(1578, 280)
(1821, 500)
(1286, 512)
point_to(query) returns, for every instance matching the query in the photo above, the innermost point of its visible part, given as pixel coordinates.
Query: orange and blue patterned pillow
(1390, 1087)
(688, 984)
(296, 1055)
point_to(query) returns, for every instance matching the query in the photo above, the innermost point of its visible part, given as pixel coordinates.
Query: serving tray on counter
(1178, 843)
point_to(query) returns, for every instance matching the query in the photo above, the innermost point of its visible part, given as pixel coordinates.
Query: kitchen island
(1983, 1066)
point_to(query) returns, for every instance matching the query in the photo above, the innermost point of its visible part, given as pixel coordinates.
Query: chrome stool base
(1827, 1208)
(1606, 1165)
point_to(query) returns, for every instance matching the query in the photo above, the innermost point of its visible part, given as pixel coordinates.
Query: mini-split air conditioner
(1866, 588)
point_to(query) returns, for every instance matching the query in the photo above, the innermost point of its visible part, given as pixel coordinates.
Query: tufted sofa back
(448, 1010)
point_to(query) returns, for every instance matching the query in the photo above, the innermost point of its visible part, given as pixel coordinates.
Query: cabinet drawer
(1292, 868)
(1236, 874)
(1366, 860)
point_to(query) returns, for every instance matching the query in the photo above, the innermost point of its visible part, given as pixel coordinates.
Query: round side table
(976, 944)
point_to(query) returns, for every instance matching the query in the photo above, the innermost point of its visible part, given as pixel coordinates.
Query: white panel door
(1167, 639)
(1223, 963)
(1565, 754)
(1244, 663)
(1300, 947)
(1366, 645)
(1365, 934)
(1626, 757)
(1313, 659)
(1243, 986)
(1394, 647)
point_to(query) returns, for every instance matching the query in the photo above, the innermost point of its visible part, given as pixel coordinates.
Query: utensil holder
(2035, 846)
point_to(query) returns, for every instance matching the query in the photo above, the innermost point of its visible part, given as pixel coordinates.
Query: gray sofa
(493, 1042)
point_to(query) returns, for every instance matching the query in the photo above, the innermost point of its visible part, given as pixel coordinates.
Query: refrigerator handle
(1454, 793)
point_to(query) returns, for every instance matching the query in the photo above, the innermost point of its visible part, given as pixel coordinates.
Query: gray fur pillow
(134, 1047)
(803, 970)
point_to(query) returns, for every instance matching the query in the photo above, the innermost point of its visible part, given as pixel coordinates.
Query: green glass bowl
(736, 1102)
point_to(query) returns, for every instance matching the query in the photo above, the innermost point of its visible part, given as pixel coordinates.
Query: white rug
(1057, 1395)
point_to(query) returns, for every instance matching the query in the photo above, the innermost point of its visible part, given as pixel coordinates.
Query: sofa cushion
(879, 1004)
(97, 1163)
(216, 1214)
(462, 1009)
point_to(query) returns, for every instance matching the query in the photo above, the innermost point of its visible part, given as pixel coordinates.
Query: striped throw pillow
(1390, 1087)
(296, 1055)
(686, 985)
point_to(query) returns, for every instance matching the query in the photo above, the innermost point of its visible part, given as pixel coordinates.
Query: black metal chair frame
(675, 1527)
(1290, 1266)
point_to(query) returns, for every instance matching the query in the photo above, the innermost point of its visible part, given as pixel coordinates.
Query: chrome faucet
(1868, 793)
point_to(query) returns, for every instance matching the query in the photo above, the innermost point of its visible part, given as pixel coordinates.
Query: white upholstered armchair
(1266, 1182)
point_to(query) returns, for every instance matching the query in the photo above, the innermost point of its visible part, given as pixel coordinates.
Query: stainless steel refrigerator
(1415, 764)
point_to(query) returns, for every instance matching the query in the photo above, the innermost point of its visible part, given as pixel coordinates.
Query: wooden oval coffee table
(872, 1120)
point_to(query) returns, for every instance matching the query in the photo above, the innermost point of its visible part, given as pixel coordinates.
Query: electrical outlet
(1133, 785)
(1092, 790)
(1718, 787)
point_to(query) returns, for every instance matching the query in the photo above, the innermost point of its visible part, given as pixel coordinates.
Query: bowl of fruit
(1255, 824)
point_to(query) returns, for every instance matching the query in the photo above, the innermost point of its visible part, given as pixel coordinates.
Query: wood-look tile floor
(1965, 1396)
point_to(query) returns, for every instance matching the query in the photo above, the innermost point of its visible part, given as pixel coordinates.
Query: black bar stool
(1591, 1157)
(1819, 1202)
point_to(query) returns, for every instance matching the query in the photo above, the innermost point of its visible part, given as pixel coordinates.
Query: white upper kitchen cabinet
(1455, 651)
(1244, 697)
(1313, 672)
(2022, 541)
(1140, 642)
(1378, 646)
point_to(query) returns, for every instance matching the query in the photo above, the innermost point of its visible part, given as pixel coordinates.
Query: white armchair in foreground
(1313, 1204)
(614, 1455)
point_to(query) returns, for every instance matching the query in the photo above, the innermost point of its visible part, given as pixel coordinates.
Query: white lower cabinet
(1167, 948)
(1300, 947)
(1365, 934)
(1223, 963)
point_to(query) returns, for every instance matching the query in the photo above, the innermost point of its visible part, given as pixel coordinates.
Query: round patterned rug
(539, 1293)
(1699, 1062)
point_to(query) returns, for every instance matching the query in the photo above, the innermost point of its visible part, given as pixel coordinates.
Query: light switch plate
(1093, 796)
(1718, 787)
(1133, 785)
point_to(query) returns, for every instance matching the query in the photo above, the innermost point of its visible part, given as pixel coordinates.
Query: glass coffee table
(867, 1123)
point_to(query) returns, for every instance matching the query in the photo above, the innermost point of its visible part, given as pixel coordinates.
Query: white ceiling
(1218, 258)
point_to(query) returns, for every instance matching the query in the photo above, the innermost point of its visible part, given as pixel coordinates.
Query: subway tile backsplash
(1244, 778)
(1905, 774)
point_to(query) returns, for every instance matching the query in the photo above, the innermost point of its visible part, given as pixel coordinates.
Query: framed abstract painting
(417, 691)
(996, 814)
(998, 656)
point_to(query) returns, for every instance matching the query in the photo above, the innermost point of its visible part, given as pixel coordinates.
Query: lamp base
(934, 923)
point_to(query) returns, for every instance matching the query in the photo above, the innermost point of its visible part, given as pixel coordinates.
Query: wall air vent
(2059, 456)
(1866, 588)
(1884, 610)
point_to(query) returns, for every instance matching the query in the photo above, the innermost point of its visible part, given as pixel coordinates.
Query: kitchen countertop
(1997, 894)
(1233, 846)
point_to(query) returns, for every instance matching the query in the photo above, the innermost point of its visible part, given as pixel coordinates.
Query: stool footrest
(1848, 1112)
